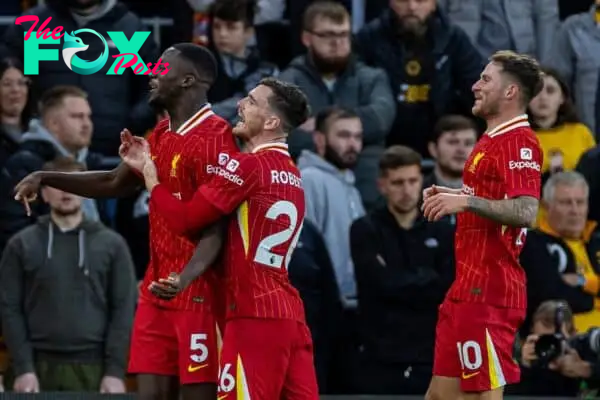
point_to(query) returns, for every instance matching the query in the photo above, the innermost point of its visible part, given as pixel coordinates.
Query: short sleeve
(234, 179)
(520, 163)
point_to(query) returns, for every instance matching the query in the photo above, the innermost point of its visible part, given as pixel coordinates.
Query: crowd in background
(389, 85)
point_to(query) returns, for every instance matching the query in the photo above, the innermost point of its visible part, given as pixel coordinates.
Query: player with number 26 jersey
(267, 347)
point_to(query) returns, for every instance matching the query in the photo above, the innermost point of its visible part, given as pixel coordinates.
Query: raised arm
(120, 181)
(520, 211)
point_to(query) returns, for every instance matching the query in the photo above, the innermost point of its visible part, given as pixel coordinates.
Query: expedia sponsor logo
(214, 170)
(524, 164)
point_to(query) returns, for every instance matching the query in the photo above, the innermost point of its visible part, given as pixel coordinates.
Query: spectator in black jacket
(239, 64)
(118, 101)
(64, 129)
(559, 256)
(428, 61)
(312, 274)
(589, 167)
(403, 266)
(14, 106)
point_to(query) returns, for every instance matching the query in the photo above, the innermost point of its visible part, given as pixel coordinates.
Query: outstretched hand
(132, 150)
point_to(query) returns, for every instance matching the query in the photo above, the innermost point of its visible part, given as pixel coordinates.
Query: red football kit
(179, 337)
(486, 304)
(267, 348)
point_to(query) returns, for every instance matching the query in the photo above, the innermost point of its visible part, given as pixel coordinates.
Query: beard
(82, 5)
(338, 160)
(66, 211)
(329, 65)
(411, 28)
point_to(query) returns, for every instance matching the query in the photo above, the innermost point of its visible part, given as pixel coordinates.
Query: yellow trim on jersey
(494, 367)
(242, 217)
(241, 384)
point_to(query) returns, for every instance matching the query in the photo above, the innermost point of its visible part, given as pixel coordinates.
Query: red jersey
(265, 190)
(181, 159)
(505, 163)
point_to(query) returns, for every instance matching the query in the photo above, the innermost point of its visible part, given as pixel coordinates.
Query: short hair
(524, 69)
(546, 313)
(331, 10)
(452, 122)
(328, 115)
(201, 58)
(54, 97)
(288, 101)
(567, 178)
(398, 156)
(234, 11)
(63, 164)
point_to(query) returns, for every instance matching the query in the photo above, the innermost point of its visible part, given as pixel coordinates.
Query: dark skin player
(181, 92)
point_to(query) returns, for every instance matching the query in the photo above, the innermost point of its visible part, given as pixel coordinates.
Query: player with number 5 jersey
(267, 348)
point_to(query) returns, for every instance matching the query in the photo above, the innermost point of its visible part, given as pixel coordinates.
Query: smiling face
(165, 88)
(489, 91)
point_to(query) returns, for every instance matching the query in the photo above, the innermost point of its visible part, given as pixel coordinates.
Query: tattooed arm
(520, 211)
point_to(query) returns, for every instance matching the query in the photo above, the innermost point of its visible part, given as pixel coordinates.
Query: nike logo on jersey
(194, 368)
(469, 376)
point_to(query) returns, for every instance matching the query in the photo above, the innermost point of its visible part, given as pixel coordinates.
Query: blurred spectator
(576, 56)
(588, 166)
(65, 129)
(431, 63)
(524, 26)
(403, 267)
(561, 134)
(68, 296)
(560, 256)
(239, 65)
(329, 75)
(546, 380)
(118, 101)
(312, 274)
(14, 106)
(332, 200)
(453, 139)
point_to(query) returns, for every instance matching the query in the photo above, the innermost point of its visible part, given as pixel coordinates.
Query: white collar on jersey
(522, 121)
(195, 120)
(275, 146)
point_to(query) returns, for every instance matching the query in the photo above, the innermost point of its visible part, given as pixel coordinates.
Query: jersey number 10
(264, 252)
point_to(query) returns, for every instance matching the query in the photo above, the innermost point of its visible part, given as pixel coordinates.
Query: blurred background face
(568, 210)
(230, 37)
(413, 14)
(452, 150)
(71, 123)
(83, 4)
(402, 188)
(328, 44)
(343, 142)
(14, 88)
(548, 101)
(489, 91)
(61, 203)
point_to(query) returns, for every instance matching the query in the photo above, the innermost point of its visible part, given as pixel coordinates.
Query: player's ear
(188, 81)
(511, 91)
(272, 123)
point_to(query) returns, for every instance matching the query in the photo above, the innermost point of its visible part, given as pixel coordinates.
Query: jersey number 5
(264, 252)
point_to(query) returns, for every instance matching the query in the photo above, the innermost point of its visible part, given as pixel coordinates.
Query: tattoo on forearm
(520, 211)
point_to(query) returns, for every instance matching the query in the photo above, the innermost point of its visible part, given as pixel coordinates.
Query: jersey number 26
(264, 252)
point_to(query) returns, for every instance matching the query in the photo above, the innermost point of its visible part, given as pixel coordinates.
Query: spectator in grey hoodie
(332, 200)
(330, 75)
(64, 129)
(67, 299)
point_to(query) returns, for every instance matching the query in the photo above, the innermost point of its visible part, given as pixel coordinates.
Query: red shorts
(174, 343)
(474, 342)
(267, 359)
